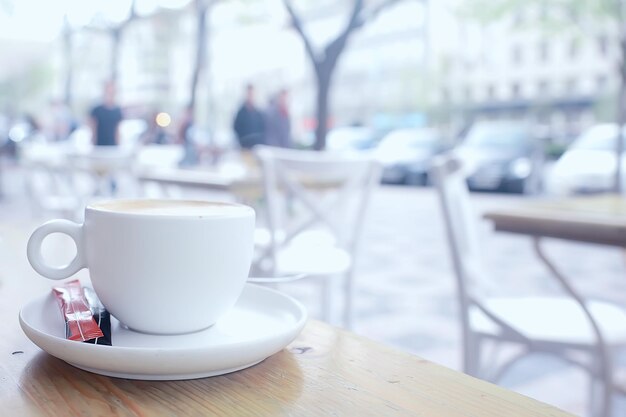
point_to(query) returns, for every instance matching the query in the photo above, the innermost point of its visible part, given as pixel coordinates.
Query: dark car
(406, 155)
(498, 156)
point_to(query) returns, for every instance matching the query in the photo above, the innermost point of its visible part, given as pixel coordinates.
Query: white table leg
(602, 354)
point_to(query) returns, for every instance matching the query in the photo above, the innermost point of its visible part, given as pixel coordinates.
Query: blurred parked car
(499, 156)
(406, 155)
(350, 139)
(589, 164)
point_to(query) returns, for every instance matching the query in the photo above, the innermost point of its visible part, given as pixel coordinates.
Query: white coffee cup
(159, 266)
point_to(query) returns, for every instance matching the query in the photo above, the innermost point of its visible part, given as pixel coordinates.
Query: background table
(326, 371)
(598, 219)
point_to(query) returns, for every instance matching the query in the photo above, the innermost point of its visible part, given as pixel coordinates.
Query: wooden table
(326, 371)
(245, 186)
(209, 179)
(598, 219)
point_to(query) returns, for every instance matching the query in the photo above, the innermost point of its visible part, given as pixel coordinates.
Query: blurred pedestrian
(105, 119)
(249, 124)
(278, 123)
(156, 133)
(185, 136)
(60, 121)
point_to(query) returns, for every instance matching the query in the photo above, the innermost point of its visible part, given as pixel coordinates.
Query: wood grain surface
(326, 371)
(598, 219)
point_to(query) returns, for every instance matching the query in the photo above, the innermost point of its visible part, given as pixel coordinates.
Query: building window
(543, 11)
(571, 86)
(516, 90)
(517, 54)
(574, 48)
(491, 92)
(518, 18)
(544, 51)
(603, 45)
(445, 94)
(543, 88)
(468, 94)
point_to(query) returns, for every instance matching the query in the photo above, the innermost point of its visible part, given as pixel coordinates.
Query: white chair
(50, 183)
(157, 158)
(315, 207)
(584, 333)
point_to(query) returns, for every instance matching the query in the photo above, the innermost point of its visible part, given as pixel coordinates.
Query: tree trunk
(323, 90)
(116, 37)
(324, 71)
(621, 98)
(201, 13)
(69, 68)
(621, 120)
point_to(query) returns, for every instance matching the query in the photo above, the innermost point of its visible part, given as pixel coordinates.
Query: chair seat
(552, 319)
(313, 260)
(313, 252)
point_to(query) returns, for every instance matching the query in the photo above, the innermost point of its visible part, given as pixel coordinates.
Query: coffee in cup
(159, 266)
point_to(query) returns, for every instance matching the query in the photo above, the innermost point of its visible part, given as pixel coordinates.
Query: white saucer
(262, 323)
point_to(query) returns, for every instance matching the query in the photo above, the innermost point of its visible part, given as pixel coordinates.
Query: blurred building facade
(517, 68)
(381, 71)
(417, 62)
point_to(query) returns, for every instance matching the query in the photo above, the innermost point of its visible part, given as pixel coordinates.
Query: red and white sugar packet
(79, 322)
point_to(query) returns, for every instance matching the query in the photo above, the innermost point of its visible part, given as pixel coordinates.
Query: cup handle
(33, 250)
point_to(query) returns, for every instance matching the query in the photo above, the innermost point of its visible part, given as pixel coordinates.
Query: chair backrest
(448, 175)
(461, 226)
(307, 190)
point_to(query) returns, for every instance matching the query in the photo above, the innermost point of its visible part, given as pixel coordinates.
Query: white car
(589, 164)
(406, 155)
(350, 139)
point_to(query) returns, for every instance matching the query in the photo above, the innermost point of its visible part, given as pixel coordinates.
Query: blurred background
(546, 72)
(529, 94)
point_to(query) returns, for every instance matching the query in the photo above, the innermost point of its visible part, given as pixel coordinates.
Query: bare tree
(202, 8)
(325, 61)
(116, 32)
(69, 67)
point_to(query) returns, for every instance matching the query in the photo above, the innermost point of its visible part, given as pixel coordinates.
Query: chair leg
(326, 297)
(348, 305)
(472, 356)
(594, 387)
(600, 390)
(502, 369)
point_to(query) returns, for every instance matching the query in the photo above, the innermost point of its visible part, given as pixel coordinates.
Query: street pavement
(405, 287)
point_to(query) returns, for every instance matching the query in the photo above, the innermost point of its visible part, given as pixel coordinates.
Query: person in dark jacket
(278, 122)
(249, 123)
(105, 119)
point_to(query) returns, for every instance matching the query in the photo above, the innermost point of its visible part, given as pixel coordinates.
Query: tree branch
(374, 12)
(298, 25)
(334, 48)
(355, 15)
(358, 18)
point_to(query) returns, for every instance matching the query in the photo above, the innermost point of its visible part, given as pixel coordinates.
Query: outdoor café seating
(587, 333)
(314, 210)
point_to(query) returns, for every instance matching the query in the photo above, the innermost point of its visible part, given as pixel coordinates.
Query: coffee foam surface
(171, 208)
